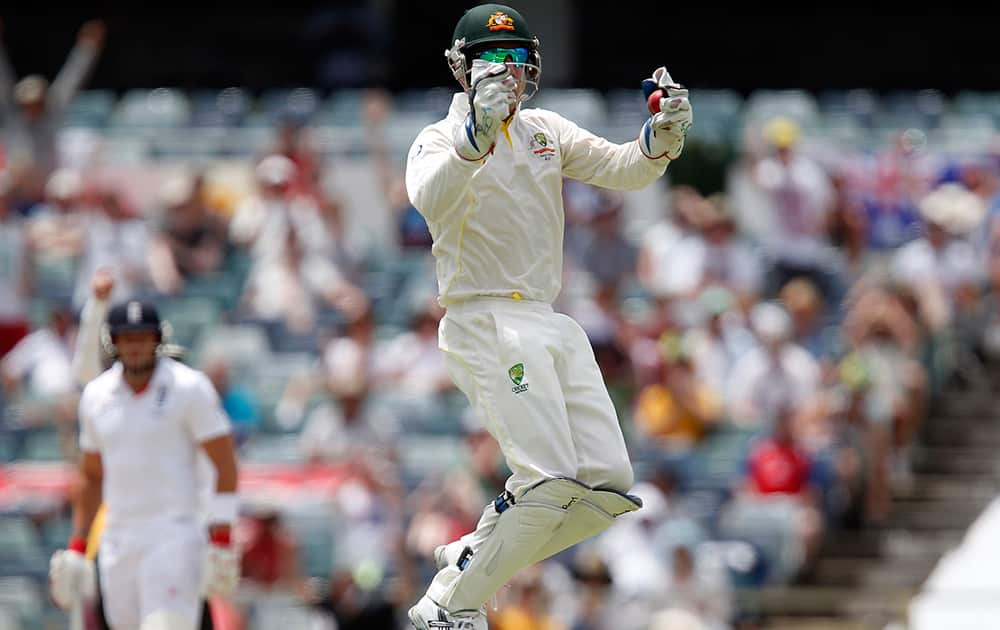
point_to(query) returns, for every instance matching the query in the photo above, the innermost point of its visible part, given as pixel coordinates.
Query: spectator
(270, 553)
(239, 402)
(892, 184)
(713, 255)
(483, 455)
(884, 338)
(57, 232)
(348, 423)
(293, 287)
(597, 245)
(293, 143)
(596, 608)
(719, 341)
(676, 619)
(848, 228)
(529, 606)
(691, 590)
(411, 364)
(630, 551)
(445, 511)
(116, 240)
(192, 238)
(778, 506)
(672, 245)
(261, 222)
(775, 370)
(39, 366)
(15, 277)
(412, 233)
(799, 197)
(942, 268)
(680, 410)
(33, 111)
(728, 260)
(810, 327)
(349, 606)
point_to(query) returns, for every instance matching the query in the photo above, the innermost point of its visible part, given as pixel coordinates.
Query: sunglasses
(501, 55)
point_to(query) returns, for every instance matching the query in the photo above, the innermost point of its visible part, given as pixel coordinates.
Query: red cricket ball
(653, 102)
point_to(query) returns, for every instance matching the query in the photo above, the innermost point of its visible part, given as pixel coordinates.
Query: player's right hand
(492, 97)
(102, 283)
(71, 578)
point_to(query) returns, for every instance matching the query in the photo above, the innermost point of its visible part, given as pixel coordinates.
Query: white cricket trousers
(155, 565)
(531, 375)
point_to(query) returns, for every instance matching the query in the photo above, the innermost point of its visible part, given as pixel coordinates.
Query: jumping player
(488, 180)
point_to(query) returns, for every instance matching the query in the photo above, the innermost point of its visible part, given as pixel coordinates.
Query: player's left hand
(664, 133)
(221, 571)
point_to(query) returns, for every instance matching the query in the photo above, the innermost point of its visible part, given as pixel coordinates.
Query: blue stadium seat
(344, 108)
(241, 345)
(158, 108)
(272, 449)
(859, 104)
(190, 317)
(21, 598)
(21, 548)
(584, 107)
(797, 104)
(91, 109)
(43, 444)
(225, 108)
(299, 104)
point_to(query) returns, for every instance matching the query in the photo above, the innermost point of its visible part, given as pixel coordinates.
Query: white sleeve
(88, 436)
(437, 178)
(205, 417)
(595, 160)
(87, 356)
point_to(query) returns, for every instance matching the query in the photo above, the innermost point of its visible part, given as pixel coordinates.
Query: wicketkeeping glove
(663, 134)
(491, 95)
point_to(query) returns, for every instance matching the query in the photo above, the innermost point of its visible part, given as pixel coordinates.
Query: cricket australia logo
(500, 21)
(516, 374)
(540, 147)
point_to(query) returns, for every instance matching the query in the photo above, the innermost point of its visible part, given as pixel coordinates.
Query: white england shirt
(498, 223)
(149, 442)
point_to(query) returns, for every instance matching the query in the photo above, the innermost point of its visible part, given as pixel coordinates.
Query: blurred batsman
(142, 424)
(488, 180)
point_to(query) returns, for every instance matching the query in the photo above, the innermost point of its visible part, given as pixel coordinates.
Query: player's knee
(620, 478)
(167, 620)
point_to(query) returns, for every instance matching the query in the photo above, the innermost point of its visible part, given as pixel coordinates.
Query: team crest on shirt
(539, 145)
(516, 374)
(161, 398)
(500, 21)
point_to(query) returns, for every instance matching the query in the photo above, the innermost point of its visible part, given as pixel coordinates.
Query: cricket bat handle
(76, 614)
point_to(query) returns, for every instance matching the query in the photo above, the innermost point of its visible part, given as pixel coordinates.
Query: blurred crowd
(773, 349)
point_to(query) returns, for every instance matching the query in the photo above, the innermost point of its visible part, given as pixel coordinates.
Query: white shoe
(426, 615)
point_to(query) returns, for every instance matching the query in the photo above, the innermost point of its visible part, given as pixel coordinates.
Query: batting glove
(221, 569)
(663, 134)
(491, 96)
(71, 577)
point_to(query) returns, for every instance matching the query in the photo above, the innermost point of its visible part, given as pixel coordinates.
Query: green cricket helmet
(488, 27)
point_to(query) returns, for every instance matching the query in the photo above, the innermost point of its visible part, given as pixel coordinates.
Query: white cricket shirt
(498, 223)
(149, 442)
